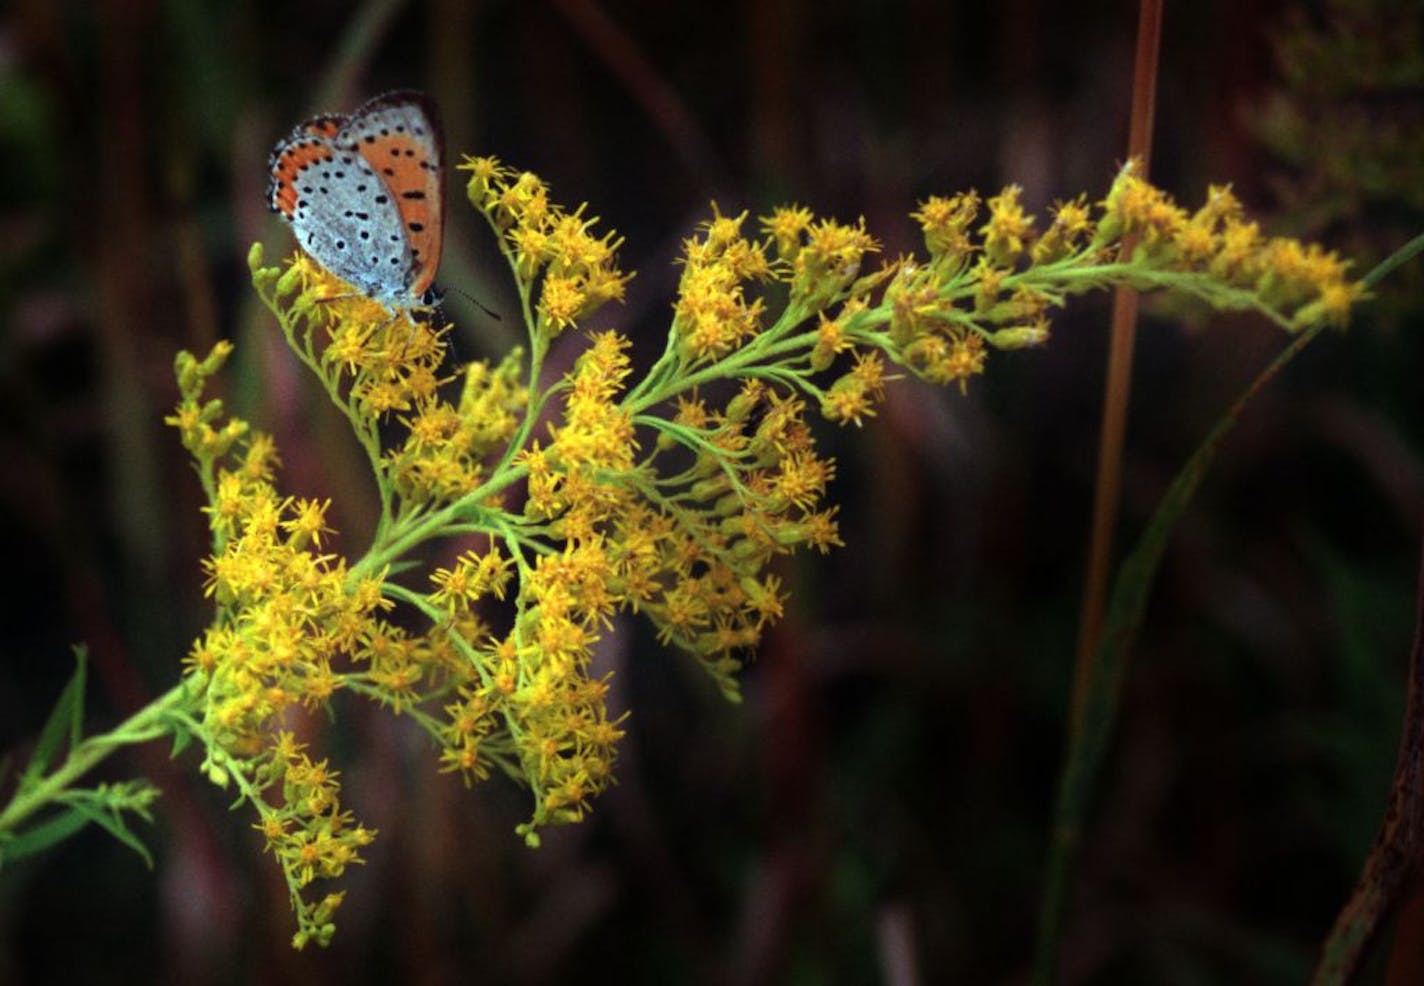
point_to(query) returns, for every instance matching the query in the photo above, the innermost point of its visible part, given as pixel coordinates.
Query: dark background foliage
(877, 808)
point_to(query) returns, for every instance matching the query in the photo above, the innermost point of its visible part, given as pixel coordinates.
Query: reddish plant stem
(1391, 873)
(1119, 379)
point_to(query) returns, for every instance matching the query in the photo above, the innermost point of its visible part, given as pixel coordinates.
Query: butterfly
(363, 195)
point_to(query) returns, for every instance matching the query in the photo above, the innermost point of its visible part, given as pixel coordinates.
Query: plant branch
(144, 725)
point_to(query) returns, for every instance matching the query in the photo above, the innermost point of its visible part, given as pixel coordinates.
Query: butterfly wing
(342, 212)
(398, 136)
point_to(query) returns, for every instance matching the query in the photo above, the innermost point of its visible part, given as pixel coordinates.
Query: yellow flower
(560, 301)
(786, 226)
(945, 222)
(307, 522)
(1008, 230)
(829, 260)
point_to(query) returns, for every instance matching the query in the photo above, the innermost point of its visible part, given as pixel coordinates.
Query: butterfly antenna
(478, 304)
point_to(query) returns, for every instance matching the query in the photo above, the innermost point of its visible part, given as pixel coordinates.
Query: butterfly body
(362, 193)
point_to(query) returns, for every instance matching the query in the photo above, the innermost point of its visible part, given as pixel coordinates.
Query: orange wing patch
(405, 163)
(288, 162)
(389, 200)
(325, 126)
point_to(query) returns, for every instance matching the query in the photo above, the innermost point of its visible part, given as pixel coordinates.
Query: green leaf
(1091, 731)
(40, 837)
(65, 718)
(181, 739)
(80, 679)
(181, 730)
(112, 822)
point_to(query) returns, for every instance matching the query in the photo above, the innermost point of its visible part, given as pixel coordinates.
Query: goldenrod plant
(567, 498)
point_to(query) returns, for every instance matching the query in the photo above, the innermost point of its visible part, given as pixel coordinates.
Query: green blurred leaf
(181, 739)
(1091, 732)
(40, 837)
(65, 719)
(182, 733)
(111, 821)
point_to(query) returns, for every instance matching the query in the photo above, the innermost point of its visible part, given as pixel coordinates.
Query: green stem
(657, 373)
(366, 431)
(1401, 256)
(734, 365)
(532, 412)
(412, 709)
(404, 538)
(144, 725)
(1079, 279)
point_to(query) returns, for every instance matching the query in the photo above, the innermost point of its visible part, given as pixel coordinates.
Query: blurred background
(876, 810)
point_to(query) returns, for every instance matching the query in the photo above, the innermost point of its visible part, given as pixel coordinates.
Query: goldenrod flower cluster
(990, 281)
(288, 617)
(553, 250)
(561, 503)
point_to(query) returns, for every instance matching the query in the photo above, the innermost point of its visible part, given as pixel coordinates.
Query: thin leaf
(1091, 730)
(113, 824)
(181, 740)
(80, 680)
(63, 721)
(40, 837)
(182, 733)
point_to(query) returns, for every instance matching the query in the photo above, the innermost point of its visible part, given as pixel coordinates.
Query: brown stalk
(648, 86)
(1390, 880)
(1119, 380)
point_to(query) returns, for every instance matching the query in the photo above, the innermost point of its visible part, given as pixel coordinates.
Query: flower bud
(1019, 337)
